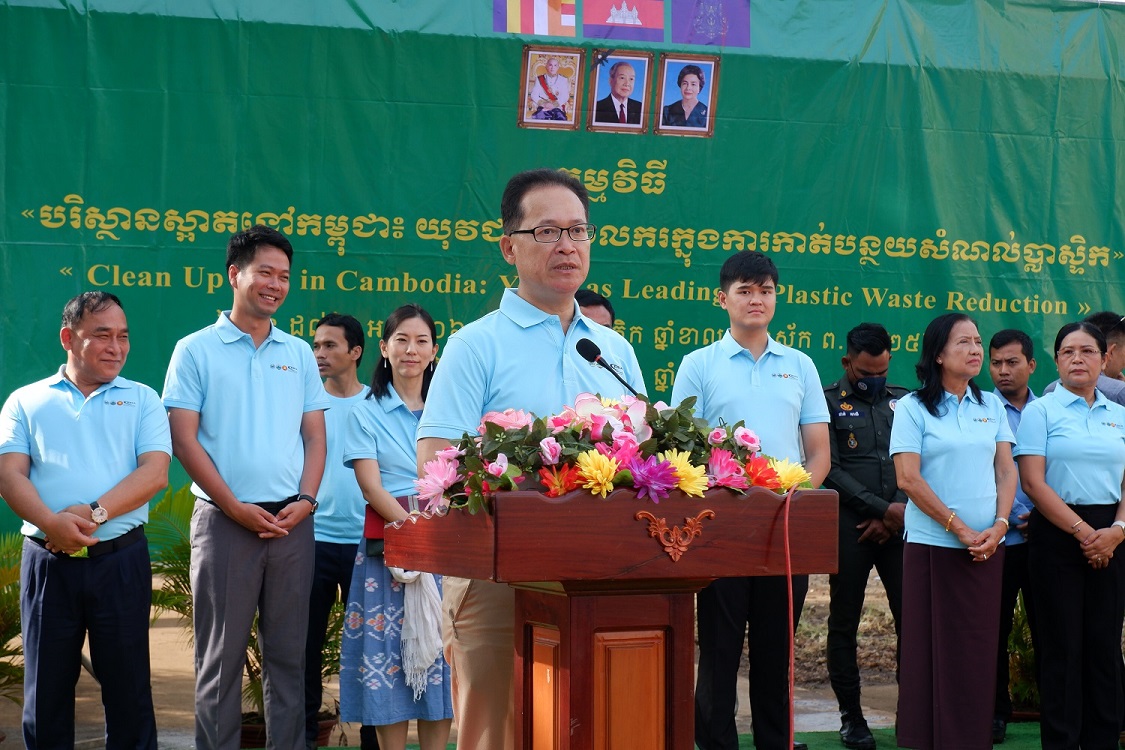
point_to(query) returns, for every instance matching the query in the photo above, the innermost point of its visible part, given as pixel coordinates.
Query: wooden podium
(604, 631)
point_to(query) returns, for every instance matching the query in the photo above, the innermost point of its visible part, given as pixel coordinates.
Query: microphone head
(588, 350)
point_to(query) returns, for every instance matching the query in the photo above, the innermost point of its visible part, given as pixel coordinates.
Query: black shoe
(999, 730)
(799, 745)
(855, 733)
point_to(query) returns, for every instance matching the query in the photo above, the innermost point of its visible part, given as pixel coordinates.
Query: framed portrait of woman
(551, 88)
(687, 90)
(619, 91)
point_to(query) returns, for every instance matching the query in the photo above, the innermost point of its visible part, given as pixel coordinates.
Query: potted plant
(169, 532)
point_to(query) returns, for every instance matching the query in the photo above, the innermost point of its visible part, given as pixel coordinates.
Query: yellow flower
(596, 472)
(692, 479)
(789, 474)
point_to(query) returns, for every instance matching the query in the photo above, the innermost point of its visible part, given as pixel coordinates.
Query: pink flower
(508, 419)
(652, 477)
(452, 453)
(717, 436)
(724, 471)
(550, 450)
(633, 416)
(747, 439)
(439, 474)
(625, 446)
(561, 422)
(498, 467)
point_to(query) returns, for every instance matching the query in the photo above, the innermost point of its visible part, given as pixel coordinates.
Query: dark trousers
(332, 575)
(1078, 626)
(61, 600)
(848, 588)
(1016, 579)
(724, 609)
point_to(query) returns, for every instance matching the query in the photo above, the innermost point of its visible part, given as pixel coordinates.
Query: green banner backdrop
(898, 160)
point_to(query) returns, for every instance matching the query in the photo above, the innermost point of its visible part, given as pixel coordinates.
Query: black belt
(273, 508)
(132, 536)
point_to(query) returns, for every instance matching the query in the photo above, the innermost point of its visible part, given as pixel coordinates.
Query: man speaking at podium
(521, 356)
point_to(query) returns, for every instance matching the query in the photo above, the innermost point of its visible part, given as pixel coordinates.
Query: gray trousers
(233, 575)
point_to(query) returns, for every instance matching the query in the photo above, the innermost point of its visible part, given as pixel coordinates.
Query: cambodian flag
(541, 17)
(637, 20)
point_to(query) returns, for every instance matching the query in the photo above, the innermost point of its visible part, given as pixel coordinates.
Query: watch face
(99, 515)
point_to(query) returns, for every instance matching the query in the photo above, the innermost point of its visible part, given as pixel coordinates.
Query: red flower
(559, 480)
(760, 474)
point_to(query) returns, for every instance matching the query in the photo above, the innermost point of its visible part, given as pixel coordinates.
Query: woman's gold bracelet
(1003, 521)
(949, 521)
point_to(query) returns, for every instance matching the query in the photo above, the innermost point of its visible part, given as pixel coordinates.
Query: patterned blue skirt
(373, 689)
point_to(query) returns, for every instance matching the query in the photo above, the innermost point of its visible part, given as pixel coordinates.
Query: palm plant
(11, 650)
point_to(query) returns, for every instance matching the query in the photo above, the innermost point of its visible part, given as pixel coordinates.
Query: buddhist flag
(540, 17)
(637, 20)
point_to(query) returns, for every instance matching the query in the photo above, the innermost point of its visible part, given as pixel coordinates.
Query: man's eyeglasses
(547, 234)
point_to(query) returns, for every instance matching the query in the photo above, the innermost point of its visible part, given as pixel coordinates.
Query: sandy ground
(173, 683)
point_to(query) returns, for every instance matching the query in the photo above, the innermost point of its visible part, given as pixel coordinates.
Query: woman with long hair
(953, 458)
(382, 684)
(1071, 452)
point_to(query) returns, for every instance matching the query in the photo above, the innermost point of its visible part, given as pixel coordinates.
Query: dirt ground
(173, 680)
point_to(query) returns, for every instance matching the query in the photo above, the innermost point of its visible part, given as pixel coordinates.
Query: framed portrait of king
(551, 88)
(619, 91)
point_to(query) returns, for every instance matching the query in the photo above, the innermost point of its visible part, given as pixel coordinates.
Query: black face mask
(870, 387)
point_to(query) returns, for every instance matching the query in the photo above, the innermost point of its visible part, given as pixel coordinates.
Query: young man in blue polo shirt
(776, 390)
(521, 356)
(81, 454)
(246, 408)
(338, 347)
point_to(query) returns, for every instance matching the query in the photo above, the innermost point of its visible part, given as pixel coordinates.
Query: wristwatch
(312, 502)
(98, 514)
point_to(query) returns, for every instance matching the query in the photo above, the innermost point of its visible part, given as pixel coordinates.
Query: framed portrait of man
(687, 90)
(552, 87)
(619, 91)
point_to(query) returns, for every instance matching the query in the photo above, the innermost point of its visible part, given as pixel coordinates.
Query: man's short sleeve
(153, 433)
(14, 437)
(908, 426)
(814, 407)
(316, 398)
(457, 394)
(182, 386)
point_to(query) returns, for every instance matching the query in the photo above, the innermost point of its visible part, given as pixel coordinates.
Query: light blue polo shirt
(250, 403)
(518, 357)
(1084, 445)
(773, 395)
(384, 430)
(957, 450)
(1022, 503)
(81, 447)
(339, 519)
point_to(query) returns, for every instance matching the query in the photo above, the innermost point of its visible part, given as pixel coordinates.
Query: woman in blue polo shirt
(380, 446)
(952, 451)
(1071, 449)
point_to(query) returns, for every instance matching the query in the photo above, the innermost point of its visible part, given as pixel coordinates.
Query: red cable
(789, 586)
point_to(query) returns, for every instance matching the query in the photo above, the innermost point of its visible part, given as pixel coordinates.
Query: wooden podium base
(604, 669)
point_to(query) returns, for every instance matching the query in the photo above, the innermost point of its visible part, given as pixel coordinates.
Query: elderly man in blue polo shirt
(776, 390)
(81, 454)
(246, 408)
(521, 356)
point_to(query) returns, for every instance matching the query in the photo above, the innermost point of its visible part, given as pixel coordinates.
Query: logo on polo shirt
(1114, 425)
(118, 402)
(985, 419)
(785, 375)
(283, 367)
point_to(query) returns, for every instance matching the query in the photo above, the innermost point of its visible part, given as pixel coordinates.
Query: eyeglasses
(548, 234)
(1086, 352)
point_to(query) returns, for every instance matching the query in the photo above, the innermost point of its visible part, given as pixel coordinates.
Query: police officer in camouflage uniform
(861, 406)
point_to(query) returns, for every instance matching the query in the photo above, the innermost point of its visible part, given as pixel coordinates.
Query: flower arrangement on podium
(599, 445)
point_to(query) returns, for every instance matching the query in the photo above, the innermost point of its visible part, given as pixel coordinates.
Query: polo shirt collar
(60, 379)
(1008, 404)
(731, 348)
(526, 315)
(392, 400)
(1067, 397)
(229, 332)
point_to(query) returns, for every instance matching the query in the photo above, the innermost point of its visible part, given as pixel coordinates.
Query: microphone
(590, 352)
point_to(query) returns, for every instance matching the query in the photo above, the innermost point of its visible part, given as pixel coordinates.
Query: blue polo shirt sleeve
(1003, 429)
(14, 437)
(183, 388)
(908, 426)
(688, 383)
(1031, 437)
(316, 398)
(457, 392)
(361, 439)
(153, 433)
(814, 407)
